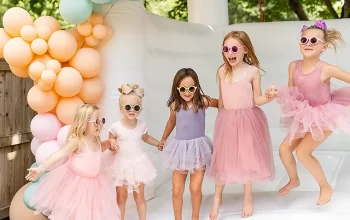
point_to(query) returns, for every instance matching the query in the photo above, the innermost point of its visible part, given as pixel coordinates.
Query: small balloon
(44, 32)
(53, 65)
(35, 70)
(44, 86)
(48, 76)
(100, 31)
(28, 33)
(84, 29)
(39, 46)
(96, 19)
(91, 41)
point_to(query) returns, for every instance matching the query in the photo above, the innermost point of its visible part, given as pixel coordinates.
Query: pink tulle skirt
(242, 147)
(298, 117)
(64, 195)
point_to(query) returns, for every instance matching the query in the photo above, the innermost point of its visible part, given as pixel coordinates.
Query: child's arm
(112, 142)
(170, 125)
(336, 72)
(210, 102)
(259, 99)
(150, 140)
(220, 102)
(291, 70)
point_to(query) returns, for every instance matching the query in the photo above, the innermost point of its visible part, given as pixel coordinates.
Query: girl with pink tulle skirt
(310, 111)
(77, 190)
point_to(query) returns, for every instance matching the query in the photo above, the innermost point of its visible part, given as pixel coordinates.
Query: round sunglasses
(190, 89)
(234, 49)
(98, 121)
(312, 40)
(130, 108)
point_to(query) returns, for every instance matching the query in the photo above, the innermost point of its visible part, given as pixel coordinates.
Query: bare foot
(326, 193)
(215, 209)
(247, 206)
(291, 185)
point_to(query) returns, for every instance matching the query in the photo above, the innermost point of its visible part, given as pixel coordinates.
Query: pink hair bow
(320, 24)
(126, 89)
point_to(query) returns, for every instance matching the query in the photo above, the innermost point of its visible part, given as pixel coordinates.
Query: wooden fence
(15, 135)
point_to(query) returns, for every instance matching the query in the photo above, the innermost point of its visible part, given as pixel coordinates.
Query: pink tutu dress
(310, 106)
(190, 150)
(131, 165)
(77, 190)
(242, 144)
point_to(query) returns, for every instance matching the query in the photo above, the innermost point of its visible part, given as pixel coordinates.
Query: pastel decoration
(85, 29)
(14, 19)
(35, 70)
(100, 31)
(109, 33)
(62, 45)
(96, 8)
(35, 165)
(48, 76)
(17, 52)
(41, 101)
(44, 32)
(48, 21)
(68, 82)
(34, 144)
(28, 33)
(100, 1)
(39, 46)
(53, 65)
(42, 58)
(92, 90)
(66, 108)
(78, 37)
(4, 37)
(44, 86)
(112, 1)
(45, 150)
(21, 72)
(29, 193)
(62, 135)
(96, 19)
(87, 61)
(45, 127)
(75, 12)
(91, 41)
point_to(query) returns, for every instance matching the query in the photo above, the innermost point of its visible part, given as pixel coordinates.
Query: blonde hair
(331, 36)
(249, 58)
(80, 120)
(130, 89)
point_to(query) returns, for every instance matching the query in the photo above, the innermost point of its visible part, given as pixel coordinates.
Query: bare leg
(179, 180)
(196, 192)
(288, 160)
(304, 155)
(214, 213)
(140, 202)
(248, 201)
(122, 197)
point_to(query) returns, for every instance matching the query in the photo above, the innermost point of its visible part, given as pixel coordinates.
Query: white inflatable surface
(148, 50)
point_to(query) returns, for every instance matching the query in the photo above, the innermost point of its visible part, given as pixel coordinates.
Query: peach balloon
(41, 101)
(20, 71)
(87, 61)
(53, 65)
(44, 86)
(84, 29)
(66, 108)
(99, 31)
(44, 32)
(42, 58)
(78, 37)
(68, 82)
(4, 37)
(35, 70)
(14, 19)
(48, 76)
(95, 19)
(39, 46)
(109, 33)
(91, 41)
(48, 21)
(92, 90)
(28, 33)
(62, 46)
(17, 52)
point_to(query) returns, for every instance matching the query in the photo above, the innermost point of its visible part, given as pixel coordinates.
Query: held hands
(33, 174)
(161, 145)
(271, 92)
(113, 145)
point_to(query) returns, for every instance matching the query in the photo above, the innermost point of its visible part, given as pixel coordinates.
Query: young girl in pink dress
(242, 144)
(132, 168)
(309, 110)
(77, 190)
(190, 151)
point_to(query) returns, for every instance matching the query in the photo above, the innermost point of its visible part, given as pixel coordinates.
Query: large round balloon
(17, 52)
(45, 127)
(62, 45)
(20, 71)
(41, 101)
(18, 210)
(92, 90)
(66, 109)
(87, 61)
(48, 21)
(34, 144)
(78, 37)
(75, 12)
(62, 135)
(68, 82)
(14, 19)
(28, 195)
(4, 37)
(45, 150)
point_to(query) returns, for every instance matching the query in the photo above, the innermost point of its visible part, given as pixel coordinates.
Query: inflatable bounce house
(122, 43)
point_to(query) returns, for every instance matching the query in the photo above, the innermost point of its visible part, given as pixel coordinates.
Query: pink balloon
(62, 135)
(34, 145)
(44, 151)
(45, 127)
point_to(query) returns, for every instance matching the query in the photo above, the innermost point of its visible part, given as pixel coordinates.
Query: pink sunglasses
(234, 49)
(312, 40)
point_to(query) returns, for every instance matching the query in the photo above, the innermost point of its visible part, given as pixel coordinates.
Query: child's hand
(113, 145)
(33, 174)
(271, 92)
(161, 145)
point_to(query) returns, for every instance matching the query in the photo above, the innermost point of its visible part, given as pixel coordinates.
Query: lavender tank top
(189, 124)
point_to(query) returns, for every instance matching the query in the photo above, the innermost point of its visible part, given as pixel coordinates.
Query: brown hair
(331, 36)
(249, 58)
(198, 99)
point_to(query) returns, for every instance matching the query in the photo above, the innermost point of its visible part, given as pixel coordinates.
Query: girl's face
(94, 124)
(233, 51)
(312, 43)
(131, 107)
(187, 89)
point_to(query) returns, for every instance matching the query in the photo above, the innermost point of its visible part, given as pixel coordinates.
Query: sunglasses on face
(312, 40)
(130, 108)
(190, 89)
(98, 121)
(234, 49)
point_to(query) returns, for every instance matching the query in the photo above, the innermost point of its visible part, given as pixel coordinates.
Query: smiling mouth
(232, 59)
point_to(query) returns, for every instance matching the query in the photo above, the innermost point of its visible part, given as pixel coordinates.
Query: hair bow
(126, 89)
(319, 24)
